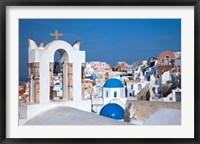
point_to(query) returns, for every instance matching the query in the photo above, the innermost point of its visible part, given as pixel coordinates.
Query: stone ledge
(142, 110)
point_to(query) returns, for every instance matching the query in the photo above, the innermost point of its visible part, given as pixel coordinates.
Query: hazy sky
(108, 40)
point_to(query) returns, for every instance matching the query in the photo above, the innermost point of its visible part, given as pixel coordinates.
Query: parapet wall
(142, 110)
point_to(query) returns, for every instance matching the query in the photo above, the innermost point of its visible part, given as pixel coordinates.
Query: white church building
(113, 92)
(113, 89)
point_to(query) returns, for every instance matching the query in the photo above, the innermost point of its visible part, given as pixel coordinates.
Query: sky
(106, 40)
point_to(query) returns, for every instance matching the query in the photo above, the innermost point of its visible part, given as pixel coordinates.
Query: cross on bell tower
(56, 34)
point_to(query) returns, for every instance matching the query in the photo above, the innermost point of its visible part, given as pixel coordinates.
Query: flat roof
(70, 116)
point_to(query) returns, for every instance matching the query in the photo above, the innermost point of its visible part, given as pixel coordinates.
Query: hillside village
(156, 79)
(110, 91)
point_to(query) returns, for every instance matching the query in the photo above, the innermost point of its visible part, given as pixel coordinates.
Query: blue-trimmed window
(115, 94)
(106, 93)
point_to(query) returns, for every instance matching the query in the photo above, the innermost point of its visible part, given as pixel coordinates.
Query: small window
(132, 86)
(106, 93)
(139, 86)
(115, 94)
(167, 57)
(178, 96)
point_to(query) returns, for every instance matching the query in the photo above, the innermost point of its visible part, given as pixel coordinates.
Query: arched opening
(59, 76)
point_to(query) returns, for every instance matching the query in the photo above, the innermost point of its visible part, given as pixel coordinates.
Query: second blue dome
(113, 111)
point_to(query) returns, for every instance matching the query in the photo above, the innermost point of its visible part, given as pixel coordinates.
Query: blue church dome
(113, 111)
(113, 83)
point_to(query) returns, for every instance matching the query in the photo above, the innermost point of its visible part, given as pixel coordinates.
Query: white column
(77, 95)
(44, 81)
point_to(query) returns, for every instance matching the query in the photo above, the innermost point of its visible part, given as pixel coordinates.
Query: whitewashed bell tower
(40, 60)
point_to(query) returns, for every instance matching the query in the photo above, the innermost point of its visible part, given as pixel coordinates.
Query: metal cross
(56, 34)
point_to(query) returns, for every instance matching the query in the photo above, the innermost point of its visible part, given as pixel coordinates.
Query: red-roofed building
(165, 62)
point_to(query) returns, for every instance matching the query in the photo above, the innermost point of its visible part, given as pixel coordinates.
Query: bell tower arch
(41, 69)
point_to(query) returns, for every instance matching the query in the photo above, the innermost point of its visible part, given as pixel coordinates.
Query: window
(178, 96)
(115, 94)
(139, 86)
(132, 86)
(167, 60)
(106, 93)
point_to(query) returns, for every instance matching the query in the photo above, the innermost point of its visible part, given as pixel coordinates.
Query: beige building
(122, 66)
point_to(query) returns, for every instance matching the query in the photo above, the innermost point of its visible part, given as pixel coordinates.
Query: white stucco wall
(33, 110)
(120, 92)
(166, 76)
(135, 86)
